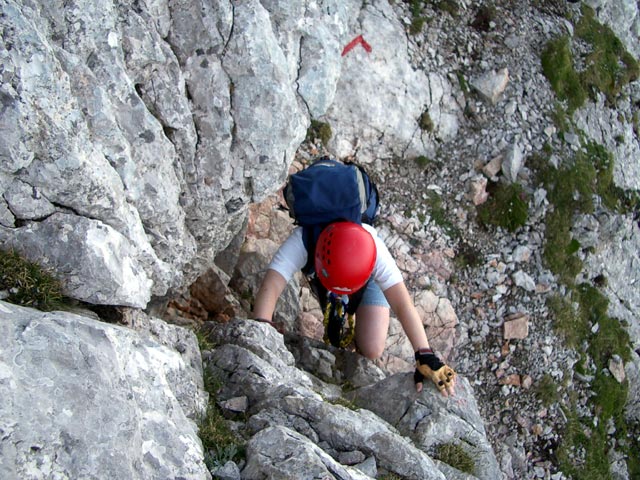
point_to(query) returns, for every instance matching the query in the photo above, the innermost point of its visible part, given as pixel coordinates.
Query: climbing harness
(335, 314)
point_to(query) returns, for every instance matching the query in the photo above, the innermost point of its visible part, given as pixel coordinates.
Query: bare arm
(265, 302)
(402, 305)
(400, 301)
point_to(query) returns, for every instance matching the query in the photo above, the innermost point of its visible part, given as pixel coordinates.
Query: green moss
(468, 256)
(425, 122)
(449, 6)
(453, 454)
(219, 442)
(28, 284)
(583, 451)
(319, 130)
(506, 207)
(557, 66)
(439, 215)
(567, 320)
(423, 161)
(547, 390)
(609, 66)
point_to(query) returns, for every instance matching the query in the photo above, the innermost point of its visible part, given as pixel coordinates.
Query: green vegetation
(557, 66)
(483, 18)
(506, 207)
(571, 189)
(567, 322)
(344, 402)
(576, 187)
(417, 20)
(219, 442)
(580, 316)
(425, 122)
(464, 85)
(547, 390)
(561, 122)
(467, 256)
(583, 452)
(439, 215)
(389, 476)
(28, 284)
(448, 6)
(453, 454)
(608, 65)
(606, 68)
(422, 161)
(319, 130)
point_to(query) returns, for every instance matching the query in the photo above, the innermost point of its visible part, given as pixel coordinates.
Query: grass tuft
(608, 67)
(507, 207)
(423, 161)
(453, 454)
(319, 130)
(425, 122)
(28, 284)
(557, 66)
(547, 390)
(440, 216)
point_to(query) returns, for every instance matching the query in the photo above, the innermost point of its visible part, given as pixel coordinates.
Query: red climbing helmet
(345, 256)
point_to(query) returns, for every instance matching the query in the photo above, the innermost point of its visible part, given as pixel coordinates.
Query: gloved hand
(428, 365)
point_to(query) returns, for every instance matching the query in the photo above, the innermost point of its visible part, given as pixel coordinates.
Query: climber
(352, 261)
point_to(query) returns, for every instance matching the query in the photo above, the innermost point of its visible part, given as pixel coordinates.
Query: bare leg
(372, 326)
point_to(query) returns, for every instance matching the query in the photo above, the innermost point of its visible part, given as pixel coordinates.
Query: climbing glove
(428, 365)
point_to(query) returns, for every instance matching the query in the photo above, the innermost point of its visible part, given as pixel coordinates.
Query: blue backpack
(328, 191)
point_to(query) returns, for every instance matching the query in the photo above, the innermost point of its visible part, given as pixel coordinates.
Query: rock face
(292, 413)
(151, 126)
(85, 399)
(133, 136)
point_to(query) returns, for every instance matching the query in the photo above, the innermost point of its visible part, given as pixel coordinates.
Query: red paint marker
(354, 42)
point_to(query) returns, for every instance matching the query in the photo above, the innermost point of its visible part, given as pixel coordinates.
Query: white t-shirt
(292, 256)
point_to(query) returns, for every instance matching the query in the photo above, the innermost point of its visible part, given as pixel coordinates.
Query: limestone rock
(512, 162)
(432, 419)
(491, 84)
(83, 398)
(289, 415)
(616, 257)
(372, 128)
(516, 328)
(279, 452)
(100, 265)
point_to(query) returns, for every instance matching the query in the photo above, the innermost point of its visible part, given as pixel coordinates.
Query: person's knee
(372, 325)
(371, 351)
